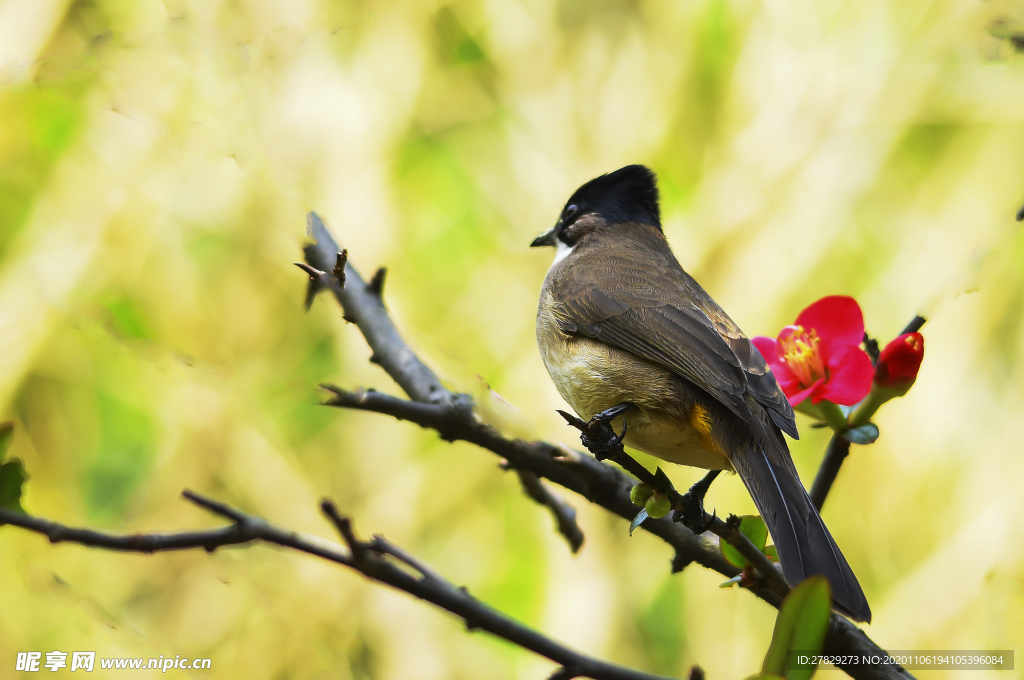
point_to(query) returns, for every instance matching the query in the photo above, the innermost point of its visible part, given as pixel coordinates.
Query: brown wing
(657, 311)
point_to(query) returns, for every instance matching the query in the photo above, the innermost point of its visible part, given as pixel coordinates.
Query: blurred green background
(156, 163)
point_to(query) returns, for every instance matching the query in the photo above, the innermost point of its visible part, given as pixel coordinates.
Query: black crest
(629, 194)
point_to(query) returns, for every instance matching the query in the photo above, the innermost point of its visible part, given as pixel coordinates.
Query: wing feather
(657, 311)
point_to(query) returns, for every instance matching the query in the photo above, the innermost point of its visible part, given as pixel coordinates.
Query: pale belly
(592, 377)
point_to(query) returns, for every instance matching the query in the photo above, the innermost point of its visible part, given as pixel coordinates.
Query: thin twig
(364, 557)
(364, 307)
(141, 543)
(363, 304)
(914, 325)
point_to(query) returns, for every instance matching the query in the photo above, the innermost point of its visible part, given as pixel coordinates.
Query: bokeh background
(156, 163)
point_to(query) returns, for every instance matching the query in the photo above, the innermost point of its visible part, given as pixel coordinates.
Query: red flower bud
(900, 360)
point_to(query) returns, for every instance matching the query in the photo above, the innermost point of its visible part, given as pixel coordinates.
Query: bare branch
(363, 306)
(597, 482)
(141, 543)
(452, 417)
(366, 558)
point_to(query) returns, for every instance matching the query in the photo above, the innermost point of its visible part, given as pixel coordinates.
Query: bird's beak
(545, 239)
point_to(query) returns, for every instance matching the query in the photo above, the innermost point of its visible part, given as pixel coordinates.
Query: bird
(622, 328)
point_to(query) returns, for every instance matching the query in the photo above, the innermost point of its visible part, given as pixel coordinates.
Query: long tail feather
(805, 546)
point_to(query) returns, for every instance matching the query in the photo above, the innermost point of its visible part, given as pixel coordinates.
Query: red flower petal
(836, 319)
(812, 392)
(850, 376)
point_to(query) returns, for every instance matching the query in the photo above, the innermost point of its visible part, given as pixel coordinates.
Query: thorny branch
(363, 305)
(430, 405)
(370, 558)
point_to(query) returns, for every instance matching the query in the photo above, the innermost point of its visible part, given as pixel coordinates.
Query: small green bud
(640, 493)
(658, 505)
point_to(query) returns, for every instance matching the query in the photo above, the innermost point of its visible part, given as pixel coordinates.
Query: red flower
(900, 360)
(820, 355)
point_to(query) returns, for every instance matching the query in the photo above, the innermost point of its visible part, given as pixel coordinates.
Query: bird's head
(627, 195)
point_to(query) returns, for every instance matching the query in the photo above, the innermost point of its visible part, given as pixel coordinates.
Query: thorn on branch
(216, 507)
(565, 673)
(696, 673)
(382, 546)
(318, 280)
(313, 272)
(871, 347)
(376, 284)
(680, 562)
(343, 525)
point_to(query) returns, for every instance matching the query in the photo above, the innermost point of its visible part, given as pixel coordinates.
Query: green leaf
(661, 481)
(637, 521)
(12, 478)
(865, 434)
(766, 676)
(772, 553)
(753, 527)
(800, 626)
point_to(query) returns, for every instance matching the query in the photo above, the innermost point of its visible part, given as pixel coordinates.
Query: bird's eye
(570, 211)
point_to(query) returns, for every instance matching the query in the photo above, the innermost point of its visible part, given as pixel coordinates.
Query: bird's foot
(690, 507)
(599, 436)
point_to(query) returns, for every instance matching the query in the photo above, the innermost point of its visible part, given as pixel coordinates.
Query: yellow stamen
(801, 354)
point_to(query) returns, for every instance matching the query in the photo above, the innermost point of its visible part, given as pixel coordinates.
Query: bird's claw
(599, 436)
(690, 508)
(690, 512)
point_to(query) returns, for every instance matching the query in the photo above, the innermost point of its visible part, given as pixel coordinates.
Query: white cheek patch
(561, 250)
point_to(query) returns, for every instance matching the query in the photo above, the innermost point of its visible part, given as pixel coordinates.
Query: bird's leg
(599, 437)
(690, 507)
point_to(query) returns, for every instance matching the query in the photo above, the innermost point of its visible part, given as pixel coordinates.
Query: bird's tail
(804, 544)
